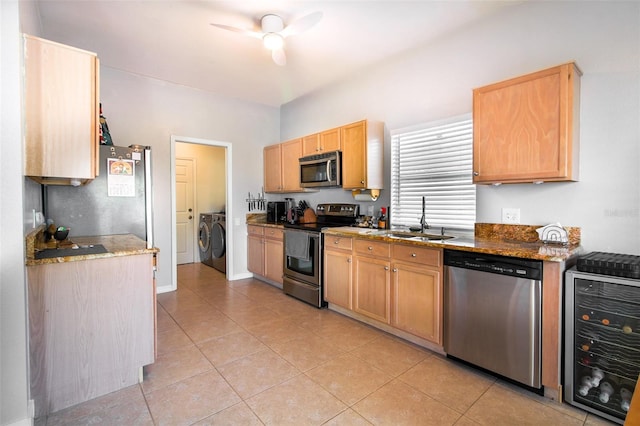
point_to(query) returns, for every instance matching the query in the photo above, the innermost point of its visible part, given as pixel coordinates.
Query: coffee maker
(276, 211)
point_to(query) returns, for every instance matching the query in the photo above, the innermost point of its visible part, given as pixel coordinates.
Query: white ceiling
(172, 40)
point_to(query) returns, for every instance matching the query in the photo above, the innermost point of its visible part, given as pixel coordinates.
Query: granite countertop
(260, 219)
(504, 240)
(115, 245)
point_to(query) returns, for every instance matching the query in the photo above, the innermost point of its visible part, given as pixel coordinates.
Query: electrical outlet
(369, 210)
(510, 215)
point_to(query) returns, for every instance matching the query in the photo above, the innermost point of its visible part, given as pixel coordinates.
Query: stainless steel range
(303, 251)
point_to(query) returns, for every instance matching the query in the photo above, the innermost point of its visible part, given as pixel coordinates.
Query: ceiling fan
(273, 32)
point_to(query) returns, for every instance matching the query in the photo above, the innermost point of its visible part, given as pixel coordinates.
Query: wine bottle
(626, 391)
(607, 388)
(586, 384)
(596, 376)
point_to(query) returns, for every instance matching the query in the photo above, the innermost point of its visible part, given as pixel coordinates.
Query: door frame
(228, 202)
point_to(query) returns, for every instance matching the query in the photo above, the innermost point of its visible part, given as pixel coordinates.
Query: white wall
(209, 162)
(437, 81)
(146, 111)
(13, 320)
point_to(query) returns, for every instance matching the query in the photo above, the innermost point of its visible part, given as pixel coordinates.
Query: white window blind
(434, 160)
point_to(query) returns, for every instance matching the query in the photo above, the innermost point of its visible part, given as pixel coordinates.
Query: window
(434, 160)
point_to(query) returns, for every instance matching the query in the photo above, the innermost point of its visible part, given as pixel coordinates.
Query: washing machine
(212, 240)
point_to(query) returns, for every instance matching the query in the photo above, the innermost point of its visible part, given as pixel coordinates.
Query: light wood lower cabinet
(393, 284)
(338, 266)
(372, 280)
(417, 291)
(91, 326)
(265, 252)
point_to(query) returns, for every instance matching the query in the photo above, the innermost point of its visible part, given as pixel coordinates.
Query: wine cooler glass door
(603, 343)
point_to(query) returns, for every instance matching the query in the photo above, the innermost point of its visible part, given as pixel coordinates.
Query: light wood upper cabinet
(281, 166)
(61, 112)
(318, 143)
(291, 153)
(362, 155)
(526, 129)
(272, 158)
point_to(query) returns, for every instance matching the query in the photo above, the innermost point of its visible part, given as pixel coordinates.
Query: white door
(185, 216)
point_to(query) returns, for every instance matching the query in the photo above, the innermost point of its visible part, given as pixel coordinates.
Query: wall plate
(510, 215)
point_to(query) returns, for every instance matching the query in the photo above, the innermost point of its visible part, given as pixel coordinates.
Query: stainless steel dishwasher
(493, 314)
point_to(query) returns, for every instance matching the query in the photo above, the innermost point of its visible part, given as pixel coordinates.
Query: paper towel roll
(364, 197)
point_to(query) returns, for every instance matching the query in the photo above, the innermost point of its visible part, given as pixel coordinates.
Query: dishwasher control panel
(503, 265)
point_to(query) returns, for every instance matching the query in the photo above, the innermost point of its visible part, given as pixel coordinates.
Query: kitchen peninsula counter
(92, 320)
(116, 246)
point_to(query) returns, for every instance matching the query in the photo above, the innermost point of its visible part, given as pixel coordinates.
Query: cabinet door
(255, 254)
(337, 278)
(61, 111)
(310, 144)
(272, 168)
(354, 155)
(417, 301)
(330, 140)
(273, 259)
(291, 153)
(523, 129)
(372, 287)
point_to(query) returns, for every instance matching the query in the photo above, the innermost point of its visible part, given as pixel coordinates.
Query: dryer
(212, 240)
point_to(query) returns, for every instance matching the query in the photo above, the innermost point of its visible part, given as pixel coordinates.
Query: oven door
(307, 268)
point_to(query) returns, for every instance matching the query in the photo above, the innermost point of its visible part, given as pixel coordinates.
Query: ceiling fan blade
(279, 57)
(239, 30)
(302, 24)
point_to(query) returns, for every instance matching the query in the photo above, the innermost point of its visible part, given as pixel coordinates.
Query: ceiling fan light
(273, 41)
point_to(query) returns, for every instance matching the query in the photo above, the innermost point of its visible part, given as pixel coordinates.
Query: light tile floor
(243, 353)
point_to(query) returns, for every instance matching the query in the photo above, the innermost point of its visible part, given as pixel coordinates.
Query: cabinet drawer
(255, 230)
(372, 248)
(333, 242)
(273, 233)
(421, 255)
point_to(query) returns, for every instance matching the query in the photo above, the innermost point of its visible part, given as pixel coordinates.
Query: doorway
(201, 182)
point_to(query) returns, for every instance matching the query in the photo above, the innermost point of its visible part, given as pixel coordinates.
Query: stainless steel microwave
(321, 170)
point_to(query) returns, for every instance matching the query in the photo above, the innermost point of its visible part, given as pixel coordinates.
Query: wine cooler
(602, 341)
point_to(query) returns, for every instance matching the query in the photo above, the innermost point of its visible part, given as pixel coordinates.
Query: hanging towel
(297, 244)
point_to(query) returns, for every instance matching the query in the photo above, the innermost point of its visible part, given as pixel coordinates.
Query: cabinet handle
(190, 217)
(413, 255)
(336, 242)
(395, 269)
(362, 182)
(386, 268)
(369, 248)
(348, 260)
(476, 173)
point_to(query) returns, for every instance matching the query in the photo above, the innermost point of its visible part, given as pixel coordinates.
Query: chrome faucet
(423, 221)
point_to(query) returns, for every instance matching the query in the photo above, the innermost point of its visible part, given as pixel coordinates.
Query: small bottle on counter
(382, 220)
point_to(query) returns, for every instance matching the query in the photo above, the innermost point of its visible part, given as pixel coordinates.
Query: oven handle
(329, 177)
(312, 234)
